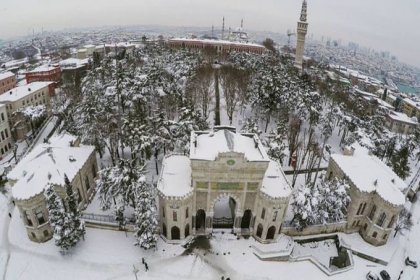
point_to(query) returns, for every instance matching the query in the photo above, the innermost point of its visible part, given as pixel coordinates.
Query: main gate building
(228, 181)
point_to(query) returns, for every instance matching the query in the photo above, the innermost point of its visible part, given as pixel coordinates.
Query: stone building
(219, 46)
(47, 163)
(227, 182)
(400, 122)
(33, 94)
(376, 194)
(302, 29)
(7, 81)
(6, 140)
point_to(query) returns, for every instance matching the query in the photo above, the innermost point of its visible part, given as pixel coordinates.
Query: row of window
(381, 219)
(375, 234)
(6, 148)
(8, 82)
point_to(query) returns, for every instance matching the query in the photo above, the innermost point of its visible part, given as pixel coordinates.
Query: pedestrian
(223, 278)
(13, 202)
(147, 267)
(142, 260)
(10, 215)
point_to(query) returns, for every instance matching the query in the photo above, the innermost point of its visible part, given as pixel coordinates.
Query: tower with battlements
(302, 29)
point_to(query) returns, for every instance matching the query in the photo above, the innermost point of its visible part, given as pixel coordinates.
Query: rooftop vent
(29, 89)
(11, 92)
(72, 159)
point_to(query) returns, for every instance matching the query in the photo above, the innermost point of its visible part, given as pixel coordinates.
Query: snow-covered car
(372, 276)
(410, 262)
(385, 275)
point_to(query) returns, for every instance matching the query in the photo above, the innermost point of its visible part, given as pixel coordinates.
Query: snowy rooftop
(62, 140)
(207, 145)
(216, 42)
(369, 174)
(175, 178)
(47, 164)
(72, 63)
(275, 183)
(43, 68)
(6, 75)
(401, 117)
(22, 91)
(412, 102)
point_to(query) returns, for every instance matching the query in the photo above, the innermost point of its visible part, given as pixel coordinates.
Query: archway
(200, 220)
(187, 230)
(259, 230)
(164, 230)
(175, 234)
(246, 219)
(270, 233)
(224, 212)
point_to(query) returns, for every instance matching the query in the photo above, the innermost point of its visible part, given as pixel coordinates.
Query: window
(79, 196)
(372, 212)
(263, 213)
(363, 209)
(358, 223)
(7, 133)
(365, 227)
(28, 219)
(174, 216)
(391, 223)
(374, 234)
(2, 151)
(93, 171)
(2, 116)
(2, 135)
(186, 213)
(33, 235)
(9, 145)
(275, 216)
(87, 183)
(163, 212)
(45, 233)
(385, 236)
(354, 224)
(360, 209)
(381, 219)
(40, 217)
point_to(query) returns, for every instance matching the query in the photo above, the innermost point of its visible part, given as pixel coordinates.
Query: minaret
(302, 29)
(223, 29)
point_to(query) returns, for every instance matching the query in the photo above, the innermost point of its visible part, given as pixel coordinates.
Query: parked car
(410, 262)
(372, 276)
(385, 275)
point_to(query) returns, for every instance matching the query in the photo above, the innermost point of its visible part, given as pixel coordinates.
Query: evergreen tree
(146, 227)
(399, 162)
(73, 212)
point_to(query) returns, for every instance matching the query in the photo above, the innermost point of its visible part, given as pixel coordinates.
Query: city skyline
(382, 25)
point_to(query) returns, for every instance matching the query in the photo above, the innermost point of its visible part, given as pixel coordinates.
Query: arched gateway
(227, 181)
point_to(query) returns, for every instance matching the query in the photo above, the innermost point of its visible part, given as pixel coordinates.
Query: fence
(288, 229)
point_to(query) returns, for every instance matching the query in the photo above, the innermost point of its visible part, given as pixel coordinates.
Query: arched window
(164, 229)
(275, 215)
(93, 171)
(270, 232)
(363, 209)
(259, 230)
(391, 223)
(372, 212)
(40, 216)
(381, 219)
(163, 212)
(374, 234)
(45, 233)
(187, 230)
(33, 235)
(354, 224)
(385, 236)
(365, 227)
(186, 213)
(79, 196)
(360, 209)
(174, 216)
(175, 235)
(263, 213)
(87, 183)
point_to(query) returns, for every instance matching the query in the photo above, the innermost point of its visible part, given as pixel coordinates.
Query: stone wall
(316, 229)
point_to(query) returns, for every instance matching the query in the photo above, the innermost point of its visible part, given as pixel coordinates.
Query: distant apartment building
(220, 46)
(7, 81)
(6, 140)
(44, 73)
(400, 123)
(411, 108)
(33, 94)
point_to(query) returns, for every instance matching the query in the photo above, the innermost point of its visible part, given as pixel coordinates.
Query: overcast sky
(382, 24)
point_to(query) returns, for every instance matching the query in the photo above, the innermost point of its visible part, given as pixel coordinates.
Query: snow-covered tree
(119, 182)
(68, 229)
(78, 230)
(189, 120)
(276, 143)
(321, 203)
(146, 225)
(251, 126)
(399, 162)
(404, 222)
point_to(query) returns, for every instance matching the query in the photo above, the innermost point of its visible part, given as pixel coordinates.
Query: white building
(228, 182)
